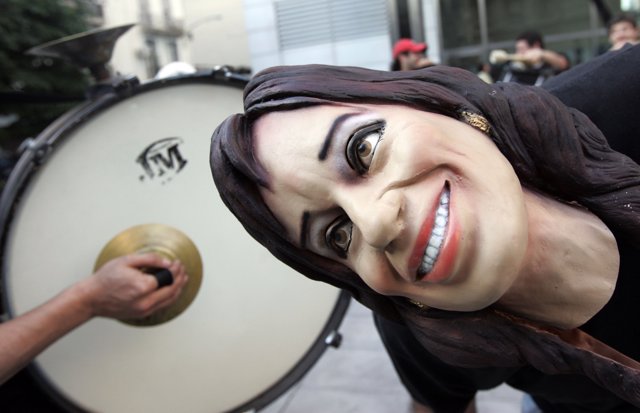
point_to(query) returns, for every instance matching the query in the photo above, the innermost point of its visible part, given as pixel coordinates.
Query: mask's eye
(338, 235)
(362, 146)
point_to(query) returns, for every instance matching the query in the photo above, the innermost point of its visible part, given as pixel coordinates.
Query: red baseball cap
(408, 45)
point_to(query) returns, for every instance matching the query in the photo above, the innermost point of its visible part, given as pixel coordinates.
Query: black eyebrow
(304, 228)
(334, 126)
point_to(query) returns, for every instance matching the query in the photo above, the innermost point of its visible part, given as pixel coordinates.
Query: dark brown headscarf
(553, 149)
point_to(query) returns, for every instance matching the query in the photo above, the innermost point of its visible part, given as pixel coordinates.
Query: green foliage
(23, 25)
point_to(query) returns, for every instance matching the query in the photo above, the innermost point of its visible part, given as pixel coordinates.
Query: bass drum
(139, 157)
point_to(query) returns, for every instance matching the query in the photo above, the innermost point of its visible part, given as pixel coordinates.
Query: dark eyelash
(355, 138)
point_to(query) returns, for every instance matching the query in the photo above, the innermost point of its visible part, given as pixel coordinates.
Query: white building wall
(124, 59)
(432, 29)
(216, 32)
(131, 52)
(262, 34)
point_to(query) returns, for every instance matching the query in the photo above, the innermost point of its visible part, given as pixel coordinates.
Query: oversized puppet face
(418, 204)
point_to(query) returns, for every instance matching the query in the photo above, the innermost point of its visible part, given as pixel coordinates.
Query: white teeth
(437, 235)
(436, 241)
(432, 252)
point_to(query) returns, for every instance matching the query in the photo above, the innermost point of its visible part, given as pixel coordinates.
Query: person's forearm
(117, 290)
(556, 60)
(23, 338)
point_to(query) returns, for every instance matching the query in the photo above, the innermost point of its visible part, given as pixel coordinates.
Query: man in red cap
(409, 55)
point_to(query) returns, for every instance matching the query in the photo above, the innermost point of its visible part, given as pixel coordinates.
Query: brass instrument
(91, 49)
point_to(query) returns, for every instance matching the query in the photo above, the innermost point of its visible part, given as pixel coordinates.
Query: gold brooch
(417, 304)
(477, 121)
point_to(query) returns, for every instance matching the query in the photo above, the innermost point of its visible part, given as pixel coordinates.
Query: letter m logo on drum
(162, 160)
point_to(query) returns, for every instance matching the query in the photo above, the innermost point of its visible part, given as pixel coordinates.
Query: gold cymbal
(168, 242)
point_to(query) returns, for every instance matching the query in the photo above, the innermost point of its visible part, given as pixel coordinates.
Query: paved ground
(359, 378)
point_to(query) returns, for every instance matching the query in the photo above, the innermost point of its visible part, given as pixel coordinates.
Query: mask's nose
(378, 219)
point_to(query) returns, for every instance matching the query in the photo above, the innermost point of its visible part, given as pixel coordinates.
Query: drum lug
(120, 85)
(39, 150)
(333, 339)
(126, 84)
(227, 73)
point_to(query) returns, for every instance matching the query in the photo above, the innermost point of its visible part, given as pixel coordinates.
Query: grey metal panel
(309, 22)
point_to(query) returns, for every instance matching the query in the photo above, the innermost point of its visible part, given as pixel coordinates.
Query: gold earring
(477, 121)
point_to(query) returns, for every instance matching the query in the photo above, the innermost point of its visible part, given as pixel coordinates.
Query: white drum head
(253, 318)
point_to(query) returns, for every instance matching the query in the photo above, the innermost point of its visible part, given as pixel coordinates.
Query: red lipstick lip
(423, 236)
